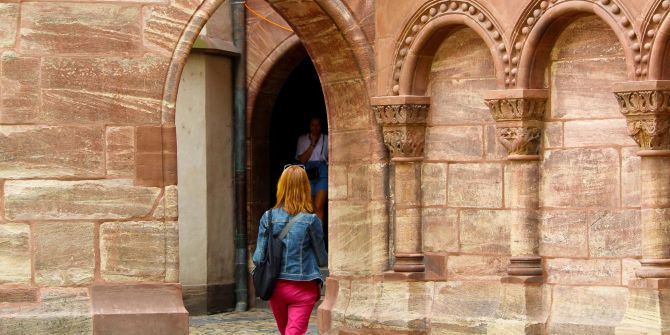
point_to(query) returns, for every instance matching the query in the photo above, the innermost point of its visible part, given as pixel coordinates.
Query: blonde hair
(293, 191)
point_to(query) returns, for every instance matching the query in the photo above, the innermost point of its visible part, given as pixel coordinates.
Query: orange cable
(266, 19)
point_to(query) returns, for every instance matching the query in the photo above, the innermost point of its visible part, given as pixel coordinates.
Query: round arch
(532, 51)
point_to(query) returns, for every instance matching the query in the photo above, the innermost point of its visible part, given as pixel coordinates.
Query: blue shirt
(304, 248)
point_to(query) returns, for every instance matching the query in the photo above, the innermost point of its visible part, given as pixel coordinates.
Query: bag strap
(288, 226)
(321, 154)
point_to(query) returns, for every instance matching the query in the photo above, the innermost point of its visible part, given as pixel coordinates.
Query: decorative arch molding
(540, 14)
(655, 37)
(416, 44)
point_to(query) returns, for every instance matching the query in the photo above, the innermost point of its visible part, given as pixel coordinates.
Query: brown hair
(293, 191)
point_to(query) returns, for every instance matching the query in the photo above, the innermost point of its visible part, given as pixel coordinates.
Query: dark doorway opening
(299, 99)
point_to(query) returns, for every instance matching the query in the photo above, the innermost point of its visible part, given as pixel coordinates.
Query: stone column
(519, 118)
(646, 105)
(403, 122)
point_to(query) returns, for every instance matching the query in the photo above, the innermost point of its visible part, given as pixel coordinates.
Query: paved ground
(257, 321)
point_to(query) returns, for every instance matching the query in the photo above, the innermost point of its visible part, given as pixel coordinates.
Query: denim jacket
(304, 248)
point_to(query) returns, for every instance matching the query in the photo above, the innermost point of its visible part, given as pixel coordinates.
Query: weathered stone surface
(464, 307)
(522, 185)
(358, 188)
(564, 234)
(475, 185)
(349, 252)
(361, 308)
(133, 251)
(586, 310)
(64, 253)
(65, 200)
(168, 205)
(583, 271)
(615, 233)
(656, 226)
(20, 95)
(60, 311)
(494, 149)
(18, 294)
(163, 24)
(51, 151)
(485, 231)
(589, 176)
(106, 90)
(462, 54)
(337, 181)
(460, 101)
(407, 316)
(454, 143)
(9, 18)
(349, 115)
(587, 37)
(597, 133)
(120, 151)
(407, 230)
(15, 253)
(172, 252)
(524, 309)
(570, 92)
(552, 135)
(440, 229)
(80, 28)
(476, 267)
(646, 312)
(434, 184)
(630, 177)
(628, 268)
(655, 182)
(378, 176)
(407, 181)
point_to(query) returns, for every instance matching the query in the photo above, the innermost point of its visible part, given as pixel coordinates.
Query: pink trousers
(292, 303)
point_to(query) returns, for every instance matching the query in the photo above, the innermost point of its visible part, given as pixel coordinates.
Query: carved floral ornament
(646, 106)
(403, 128)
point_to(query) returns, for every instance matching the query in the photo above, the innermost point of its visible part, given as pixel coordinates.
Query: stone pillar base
(526, 266)
(209, 298)
(523, 309)
(648, 310)
(654, 268)
(142, 309)
(409, 263)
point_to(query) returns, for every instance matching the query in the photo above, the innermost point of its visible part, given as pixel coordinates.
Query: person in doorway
(312, 150)
(299, 285)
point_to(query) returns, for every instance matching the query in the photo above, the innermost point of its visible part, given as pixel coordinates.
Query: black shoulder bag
(266, 273)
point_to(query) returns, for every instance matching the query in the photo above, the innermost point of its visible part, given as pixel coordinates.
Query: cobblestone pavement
(253, 322)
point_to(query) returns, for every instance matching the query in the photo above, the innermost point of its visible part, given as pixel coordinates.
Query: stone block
(412, 316)
(485, 231)
(162, 26)
(589, 176)
(91, 28)
(407, 230)
(407, 178)
(352, 146)
(459, 101)
(337, 182)
(172, 252)
(587, 37)
(120, 152)
(583, 271)
(615, 233)
(630, 177)
(361, 308)
(462, 54)
(552, 136)
(358, 188)
(20, 96)
(657, 232)
(564, 233)
(587, 133)
(18, 294)
(350, 251)
(570, 93)
(522, 181)
(524, 309)
(454, 143)
(60, 311)
(477, 267)
(377, 180)
(628, 268)
(440, 229)
(464, 307)
(168, 205)
(15, 253)
(64, 253)
(655, 182)
(586, 310)
(77, 200)
(646, 313)
(434, 184)
(106, 90)
(350, 114)
(9, 18)
(378, 218)
(475, 185)
(133, 251)
(51, 151)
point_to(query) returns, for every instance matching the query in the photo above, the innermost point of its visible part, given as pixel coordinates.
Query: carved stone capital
(646, 106)
(518, 115)
(403, 122)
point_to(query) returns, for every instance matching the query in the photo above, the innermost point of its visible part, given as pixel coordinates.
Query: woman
(299, 285)
(312, 151)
